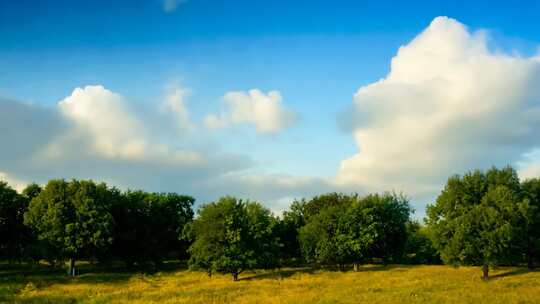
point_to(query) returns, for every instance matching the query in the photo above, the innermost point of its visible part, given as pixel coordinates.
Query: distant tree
(320, 237)
(13, 233)
(169, 213)
(355, 229)
(72, 217)
(231, 236)
(131, 234)
(289, 226)
(314, 206)
(531, 225)
(34, 250)
(476, 218)
(391, 213)
(419, 248)
(149, 225)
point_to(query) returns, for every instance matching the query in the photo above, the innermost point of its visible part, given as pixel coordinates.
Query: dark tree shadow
(277, 274)
(285, 273)
(513, 272)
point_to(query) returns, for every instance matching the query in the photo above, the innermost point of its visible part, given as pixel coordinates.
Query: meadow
(371, 284)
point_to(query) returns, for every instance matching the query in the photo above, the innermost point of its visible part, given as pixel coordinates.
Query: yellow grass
(373, 284)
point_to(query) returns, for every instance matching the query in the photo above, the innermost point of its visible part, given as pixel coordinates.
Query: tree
(13, 233)
(231, 236)
(72, 217)
(131, 234)
(476, 218)
(321, 237)
(34, 250)
(287, 231)
(391, 214)
(148, 226)
(531, 242)
(419, 248)
(169, 213)
(30, 191)
(354, 229)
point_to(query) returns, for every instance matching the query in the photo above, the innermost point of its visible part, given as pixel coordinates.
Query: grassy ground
(372, 284)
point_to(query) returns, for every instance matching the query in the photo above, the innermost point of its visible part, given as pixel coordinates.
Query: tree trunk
(72, 266)
(355, 266)
(235, 276)
(485, 272)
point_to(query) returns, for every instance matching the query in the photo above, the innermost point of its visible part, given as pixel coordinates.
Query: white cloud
(264, 111)
(105, 125)
(14, 182)
(89, 135)
(449, 104)
(104, 117)
(170, 6)
(175, 103)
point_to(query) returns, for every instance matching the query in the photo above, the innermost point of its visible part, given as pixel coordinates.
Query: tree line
(483, 218)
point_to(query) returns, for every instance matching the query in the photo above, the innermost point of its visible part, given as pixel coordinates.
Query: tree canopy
(477, 218)
(231, 236)
(72, 217)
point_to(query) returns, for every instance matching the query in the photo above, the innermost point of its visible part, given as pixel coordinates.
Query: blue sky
(316, 54)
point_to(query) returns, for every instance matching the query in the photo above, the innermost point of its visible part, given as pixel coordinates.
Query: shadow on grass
(513, 272)
(15, 278)
(45, 300)
(277, 274)
(286, 273)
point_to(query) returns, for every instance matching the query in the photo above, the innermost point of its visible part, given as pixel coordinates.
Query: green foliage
(352, 229)
(14, 236)
(232, 235)
(531, 237)
(481, 218)
(476, 219)
(72, 217)
(31, 191)
(148, 226)
(419, 248)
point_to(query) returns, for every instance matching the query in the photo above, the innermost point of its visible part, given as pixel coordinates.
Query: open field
(372, 284)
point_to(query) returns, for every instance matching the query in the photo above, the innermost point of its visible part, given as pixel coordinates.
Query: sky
(268, 100)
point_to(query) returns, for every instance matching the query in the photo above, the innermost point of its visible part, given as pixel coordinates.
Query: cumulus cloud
(264, 111)
(448, 104)
(95, 133)
(104, 118)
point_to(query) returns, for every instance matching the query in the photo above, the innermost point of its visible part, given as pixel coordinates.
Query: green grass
(372, 284)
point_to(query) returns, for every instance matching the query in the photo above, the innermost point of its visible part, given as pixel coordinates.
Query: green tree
(289, 226)
(13, 233)
(34, 249)
(149, 225)
(30, 191)
(322, 236)
(531, 242)
(231, 236)
(72, 217)
(354, 229)
(131, 235)
(169, 213)
(419, 248)
(476, 218)
(391, 213)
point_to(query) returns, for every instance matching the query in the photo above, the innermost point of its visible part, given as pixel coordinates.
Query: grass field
(372, 284)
